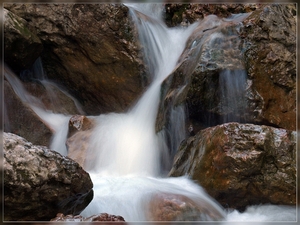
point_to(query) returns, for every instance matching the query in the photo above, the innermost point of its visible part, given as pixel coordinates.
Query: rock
(78, 218)
(188, 13)
(91, 49)
(269, 37)
(238, 71)
(39, 182)
(80, 123)
(175, 207)
(212, 54)
(80, 130)
(20, 119)
(54, 98)
(241, 164)
(21, 46)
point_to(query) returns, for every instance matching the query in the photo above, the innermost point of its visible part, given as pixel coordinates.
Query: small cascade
(126, 155)
(137, 150)
(58, 123)
(232, 84)
(125, 148)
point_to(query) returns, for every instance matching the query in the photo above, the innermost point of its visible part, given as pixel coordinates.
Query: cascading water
(58, 123)
(126, 151)
(126, 148)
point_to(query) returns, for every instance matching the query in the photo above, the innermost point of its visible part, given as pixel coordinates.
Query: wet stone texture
(39, 183)
(269, 46)
(91, 50)
(241, 164)
(21, 45)
(176, 207)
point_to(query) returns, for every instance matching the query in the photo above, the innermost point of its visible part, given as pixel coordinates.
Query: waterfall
(126, 151)
(127, 143)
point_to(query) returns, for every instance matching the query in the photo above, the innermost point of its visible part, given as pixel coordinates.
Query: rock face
(21, 46)
(236, 71)
(39, 183)
(175, 207)
(269, 37)
(100, 217)
(211, 60)
(241, 164)
(184, 14)
(91, 50)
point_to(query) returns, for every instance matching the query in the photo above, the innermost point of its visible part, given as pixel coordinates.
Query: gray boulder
(39, 183)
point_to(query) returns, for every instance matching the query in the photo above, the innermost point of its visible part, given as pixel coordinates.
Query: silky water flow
(125, 167)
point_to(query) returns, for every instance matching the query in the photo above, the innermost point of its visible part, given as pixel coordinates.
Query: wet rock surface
(91, 50)
(269, 39)
(241, 164)
(175, 207)
(20, 119)
(39, 182)
(21, 45)
(241, 71)
(187, 13)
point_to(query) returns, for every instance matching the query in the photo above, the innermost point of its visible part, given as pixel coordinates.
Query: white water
(126, 143)
(126, 166)
(126, 149)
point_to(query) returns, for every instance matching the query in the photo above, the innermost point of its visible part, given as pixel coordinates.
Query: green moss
(19, 25)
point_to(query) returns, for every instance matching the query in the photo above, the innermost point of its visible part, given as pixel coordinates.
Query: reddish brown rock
(39, 182)
(258, 51)
(175, 207)
(270, 55)
(241, 164)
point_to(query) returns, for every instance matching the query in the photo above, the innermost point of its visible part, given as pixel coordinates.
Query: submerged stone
(176, 207)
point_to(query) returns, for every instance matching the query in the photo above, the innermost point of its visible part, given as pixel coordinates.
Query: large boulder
(39, 183)
(241, 164)
(90, 49)
(241, 70)
(21, 45)
(211, 57)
